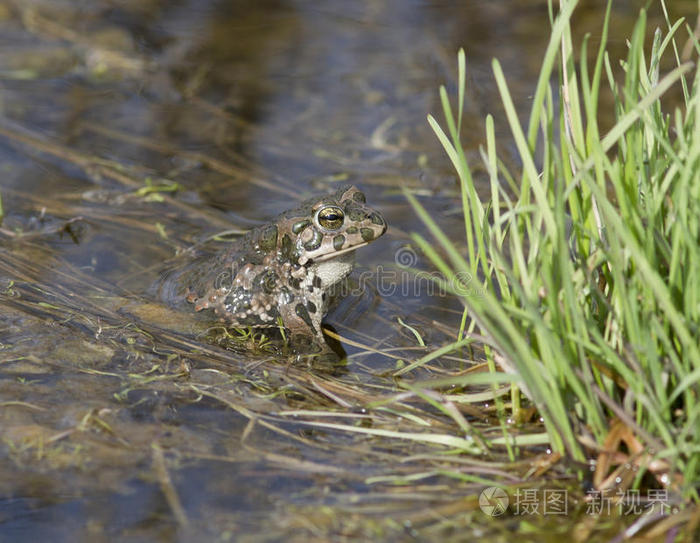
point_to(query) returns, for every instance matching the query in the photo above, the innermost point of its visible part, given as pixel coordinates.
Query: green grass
(589, 255)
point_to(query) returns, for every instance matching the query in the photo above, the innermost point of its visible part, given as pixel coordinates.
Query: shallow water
(120, 421)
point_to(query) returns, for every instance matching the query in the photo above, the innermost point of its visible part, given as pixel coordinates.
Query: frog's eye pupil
(331, 218)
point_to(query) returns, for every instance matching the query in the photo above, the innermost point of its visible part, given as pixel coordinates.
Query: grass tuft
(590, 260)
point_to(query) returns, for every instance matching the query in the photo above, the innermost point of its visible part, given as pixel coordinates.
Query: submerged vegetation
(589, 256)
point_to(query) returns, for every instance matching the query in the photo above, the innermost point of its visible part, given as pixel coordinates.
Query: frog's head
(328, 228)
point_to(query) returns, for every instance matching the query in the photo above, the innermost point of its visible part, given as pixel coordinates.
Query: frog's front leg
(302, 318)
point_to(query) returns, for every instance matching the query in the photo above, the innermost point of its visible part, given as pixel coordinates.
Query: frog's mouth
(336, 254)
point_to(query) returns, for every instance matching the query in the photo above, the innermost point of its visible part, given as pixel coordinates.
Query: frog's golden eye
(331, 217)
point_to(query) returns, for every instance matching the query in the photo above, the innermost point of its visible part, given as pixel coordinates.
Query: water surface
(120, 420)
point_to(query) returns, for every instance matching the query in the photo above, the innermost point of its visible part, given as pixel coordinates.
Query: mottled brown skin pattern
(281, 272)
